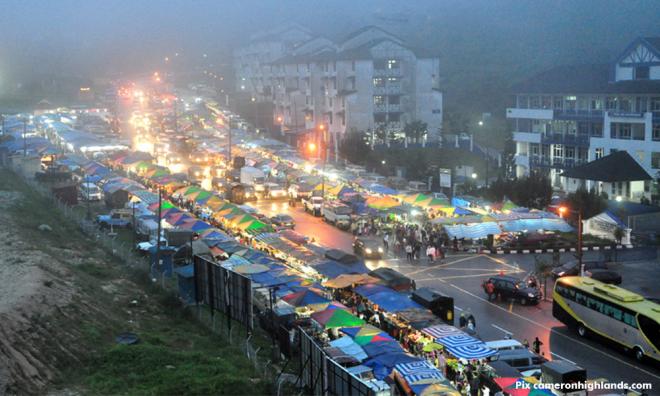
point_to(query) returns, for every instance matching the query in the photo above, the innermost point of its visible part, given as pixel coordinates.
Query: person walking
(490, 290)
(536, 346)
(462, 322)
(386, 242)
(525, 343)
(409, 252)
(430, 253)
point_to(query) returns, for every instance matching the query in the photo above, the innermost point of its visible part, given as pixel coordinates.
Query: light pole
(562, 211)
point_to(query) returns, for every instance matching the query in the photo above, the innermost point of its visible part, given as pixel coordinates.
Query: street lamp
(383, 162)
(474, 175)
(619, 198)
(481, 123)
(562, 211)
(280, 122)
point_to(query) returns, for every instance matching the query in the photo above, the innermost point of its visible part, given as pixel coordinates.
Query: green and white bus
(608, 311)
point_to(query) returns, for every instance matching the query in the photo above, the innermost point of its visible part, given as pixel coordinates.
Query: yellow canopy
(346, 280)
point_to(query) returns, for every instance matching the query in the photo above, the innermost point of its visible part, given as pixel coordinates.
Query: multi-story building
(570, 115)
(371, 81)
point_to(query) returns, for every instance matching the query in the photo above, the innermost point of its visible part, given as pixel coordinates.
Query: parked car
(509, 287)
(605, 276)
(572, 268)
(522, 360)
(90, 192)
(283, 221)
(505, 345)
(116, 218)
(368, 248)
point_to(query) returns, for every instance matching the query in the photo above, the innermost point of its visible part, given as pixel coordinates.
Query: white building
(371, 80)
(571, 115)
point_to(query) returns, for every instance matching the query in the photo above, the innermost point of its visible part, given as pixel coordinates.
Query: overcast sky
(102, 36)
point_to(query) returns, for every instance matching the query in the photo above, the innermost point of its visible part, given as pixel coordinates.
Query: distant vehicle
(338, 214)
(313, 205)
(522, 359)
(509, 287)
(122, 218)
(274, 190)
(605, 276)
(608, 312)
(253, 177)
(368, 248)
(505, 345)
(572, 268)
(90, 192)
(283, 221)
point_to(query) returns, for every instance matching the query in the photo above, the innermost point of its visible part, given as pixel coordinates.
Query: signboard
(444, 175)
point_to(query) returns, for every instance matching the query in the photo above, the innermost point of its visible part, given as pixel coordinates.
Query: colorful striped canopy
(335, 318)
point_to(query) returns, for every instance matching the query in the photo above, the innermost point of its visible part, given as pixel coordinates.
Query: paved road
(460, 276)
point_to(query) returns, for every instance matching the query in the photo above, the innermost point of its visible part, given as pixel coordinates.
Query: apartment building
(370, 81)
(571, 115)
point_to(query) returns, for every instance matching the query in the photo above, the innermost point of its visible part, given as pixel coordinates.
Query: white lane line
(563, 358)
(556, 332)
(505, 331)
(457, 307)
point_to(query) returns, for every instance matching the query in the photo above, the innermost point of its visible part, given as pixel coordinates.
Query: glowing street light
(474, 175)
(563, 210)
(279, 119)
(481, 123)
(619, 198)
(311, 147)
(383, 162)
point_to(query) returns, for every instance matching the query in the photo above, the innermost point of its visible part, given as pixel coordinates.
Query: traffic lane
(308, 225)
(494, 320)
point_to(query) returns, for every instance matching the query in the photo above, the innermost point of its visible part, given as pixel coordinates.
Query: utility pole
(2, 119)
(160, 209)
(580, 242)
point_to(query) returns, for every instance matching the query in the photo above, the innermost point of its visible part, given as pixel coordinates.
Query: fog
(482, 39)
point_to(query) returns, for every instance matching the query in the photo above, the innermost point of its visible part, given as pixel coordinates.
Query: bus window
(651, 330)
(629, 319)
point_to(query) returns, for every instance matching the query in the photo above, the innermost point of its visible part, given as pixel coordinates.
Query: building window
(379, 100)
(558, 150)
(624, 104)
(655, 104)
(393, 79)
(570, 152)
(379, 82)
(641, 73)
(583, 128)
(535, 148)
(436, 111)
(394, 99)
(596, 104)
(353, 65)
(638, 131)
(656, 131)
(570, 102)
(558, 103)
(394, 117)
(610, 103)
(379, 118)
(597, 130)
(523, 102)
(546, 102)
(655, 160)
(599, 152)
(392, 64)
(534, 102)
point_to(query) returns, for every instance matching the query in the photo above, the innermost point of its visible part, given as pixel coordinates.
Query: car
(572, 268)
(505, 345)
(522, 360)
(368, 248)
(605, 276)
(283, 221)
(122, 218)
(509, 287)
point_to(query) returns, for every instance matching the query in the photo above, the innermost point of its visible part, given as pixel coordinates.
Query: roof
(366, 29)
(653, 42)
(616, 167)
(583, 79)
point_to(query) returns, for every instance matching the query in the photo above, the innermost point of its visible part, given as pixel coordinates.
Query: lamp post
(280, 122)
(562, 211)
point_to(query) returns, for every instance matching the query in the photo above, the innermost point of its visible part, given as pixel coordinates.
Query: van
(90, 192)
(521, 359)
(505, 345)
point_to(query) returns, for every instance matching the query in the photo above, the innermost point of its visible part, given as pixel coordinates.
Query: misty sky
(92, 37)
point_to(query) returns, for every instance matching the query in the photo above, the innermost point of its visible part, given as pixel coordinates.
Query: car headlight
(380, 250)
(561, 273)
(368, 251)
(530, 295)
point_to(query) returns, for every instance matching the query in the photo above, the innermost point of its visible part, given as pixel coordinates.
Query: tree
(618, 234)
(415, 131)
(533, 191)
(354, 147)
(544, 270)
(587, 201)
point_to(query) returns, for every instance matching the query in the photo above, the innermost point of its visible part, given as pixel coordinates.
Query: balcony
(387, 72)
(380, 108)
(393, 108)
(568, 114)
(565, 139)
(556, 163)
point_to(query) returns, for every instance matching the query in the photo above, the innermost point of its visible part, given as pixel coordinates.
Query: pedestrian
(536, 345)
(409, 252)
(455, 243)
(414, 285)
(386, 242)
(525, 343)
(430, 253)
(462, 322)
(490, 289)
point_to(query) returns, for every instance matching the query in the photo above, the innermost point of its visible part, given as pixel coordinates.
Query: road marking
(558, 333)
(504, 263)
(563, 358)
(505, 331)
(441, 265)
(457, 307)
(460, 276)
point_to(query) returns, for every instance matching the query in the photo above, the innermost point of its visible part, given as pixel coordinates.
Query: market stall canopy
(383, 203)
(420, 372)
(367, 334)
(435, 389)
(304, 298)
(521, 386)
(472, 231)
(367, 290)
(349, 347)
(346, 280)
(335, 318)
(464, 346)
(392, 301)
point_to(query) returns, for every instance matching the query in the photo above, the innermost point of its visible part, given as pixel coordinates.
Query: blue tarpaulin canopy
(392, 301)
(384, 364)
(333, 269)
(535, 225)
(473, 231)
(371, 288)
(349, 347)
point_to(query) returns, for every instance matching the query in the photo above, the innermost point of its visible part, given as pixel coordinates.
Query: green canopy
(191, 190)
(142, 165)
(509, 205)
(438, 202)
(337, 318)
(203, 194)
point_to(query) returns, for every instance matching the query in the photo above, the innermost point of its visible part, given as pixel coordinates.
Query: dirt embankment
(33, 287)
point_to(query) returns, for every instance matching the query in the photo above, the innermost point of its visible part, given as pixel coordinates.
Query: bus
(610, 312)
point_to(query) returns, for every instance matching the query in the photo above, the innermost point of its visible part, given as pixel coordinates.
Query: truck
(253, 177)
(338, 214)
(122, 218)
(313, 205)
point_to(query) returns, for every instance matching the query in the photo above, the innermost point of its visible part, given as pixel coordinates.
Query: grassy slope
(176, 354)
